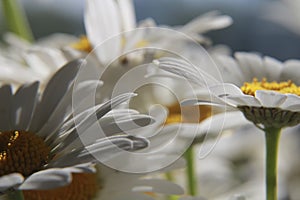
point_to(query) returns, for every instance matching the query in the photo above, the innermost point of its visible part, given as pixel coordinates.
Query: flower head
(271, 99)
(40, 143)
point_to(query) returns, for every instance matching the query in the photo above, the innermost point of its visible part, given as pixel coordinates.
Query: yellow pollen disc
(187, 114)
(141, 43)
(83, 187)
(83, 44)
(22, 152)
(281, 87)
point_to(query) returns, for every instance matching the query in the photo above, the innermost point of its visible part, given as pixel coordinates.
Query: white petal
(207, 22)
(10, 180)
(64, 109)
(223, 90)
(24, 103)
(243, 100)
(188, 71)
(47, 179)
(16, 73)
(273, 68)
(127, 14)
(251, 65)
(111, 126)
(229, 69)
(101, 150)
(158, 186)
(196, 102)
(290, 101)
(53, 93)
(270, 98)
(102, 21)
(45, 61)
(291, 71)
(294, 108)
(85, 168)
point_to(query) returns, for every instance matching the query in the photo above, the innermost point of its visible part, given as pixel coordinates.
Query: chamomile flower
(23, 62)
(263, 89)
(40, 143)
(106, 19)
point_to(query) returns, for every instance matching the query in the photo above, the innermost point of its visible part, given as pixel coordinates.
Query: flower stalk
(16, 19)
(190, 172)
(272, 138)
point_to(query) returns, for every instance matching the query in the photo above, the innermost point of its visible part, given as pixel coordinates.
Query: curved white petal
(207, 22)
(226, 89)
(243, 100)
(269, 98)
(290, 101)
(48, 179)
(10, 180)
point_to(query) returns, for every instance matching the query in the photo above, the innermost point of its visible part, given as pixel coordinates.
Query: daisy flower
(22, 62)
(262, 88)
(99, 29)
(40, 144)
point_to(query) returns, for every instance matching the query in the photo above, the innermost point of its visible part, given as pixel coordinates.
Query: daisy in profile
(41, 152)
(263, 89)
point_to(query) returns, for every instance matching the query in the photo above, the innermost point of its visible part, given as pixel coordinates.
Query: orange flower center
(22, 152)
(281, 87)
(187, 114)
(83, 44)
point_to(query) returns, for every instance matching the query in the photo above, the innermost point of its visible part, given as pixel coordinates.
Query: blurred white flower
(285, 13)
(106, 19)
(22, 62)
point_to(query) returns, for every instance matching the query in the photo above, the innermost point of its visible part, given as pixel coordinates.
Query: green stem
(16, 19)
(169, 176)
(15, 195)
(272, 143)
(190, 172)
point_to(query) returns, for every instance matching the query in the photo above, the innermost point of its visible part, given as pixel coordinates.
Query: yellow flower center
(83, 187)
(25, 152)
(281, 87)
(22, 152)
(83, 44)
(141, 43)
(187, 114)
